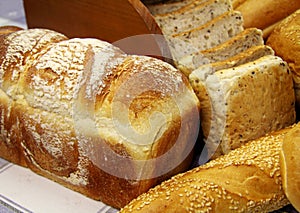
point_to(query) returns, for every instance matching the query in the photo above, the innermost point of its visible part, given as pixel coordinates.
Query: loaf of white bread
(86, 115)
(250, 179)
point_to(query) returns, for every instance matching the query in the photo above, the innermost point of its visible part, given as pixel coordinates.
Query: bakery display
(284, 40)
(60, 107)
(129, 130)
(227, 64)
(247, 179)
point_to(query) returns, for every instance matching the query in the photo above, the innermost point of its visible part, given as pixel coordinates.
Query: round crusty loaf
(285, 42)
(290, 166)
(92, 118)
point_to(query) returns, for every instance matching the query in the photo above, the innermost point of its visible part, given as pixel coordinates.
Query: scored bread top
(17, 51)
(84, 84)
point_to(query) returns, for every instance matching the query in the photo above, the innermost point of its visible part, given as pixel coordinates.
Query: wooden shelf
(109, 20)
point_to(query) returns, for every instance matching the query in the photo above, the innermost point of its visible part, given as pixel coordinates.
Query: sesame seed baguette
(60, 104)
(247, 179)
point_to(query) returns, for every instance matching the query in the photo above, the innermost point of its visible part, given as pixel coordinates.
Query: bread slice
(246, 56)
(246, 39)
(192, 15)
(162, 8)
(244, 102)
(209, 35)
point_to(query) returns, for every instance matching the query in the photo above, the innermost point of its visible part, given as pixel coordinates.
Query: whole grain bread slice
(209, 35)
(192, 15)
(244, 40)
(244, 102)
(246, 56)
(162, 8)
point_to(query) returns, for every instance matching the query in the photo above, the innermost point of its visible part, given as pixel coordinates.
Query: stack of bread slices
(245, 90)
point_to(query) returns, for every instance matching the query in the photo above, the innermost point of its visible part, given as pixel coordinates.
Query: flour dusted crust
(60, 114)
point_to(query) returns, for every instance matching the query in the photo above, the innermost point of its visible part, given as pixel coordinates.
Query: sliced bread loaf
(246, 56)
(244, 40)
(209, 35)
(162, 8)
(245, 102)
(192, 15)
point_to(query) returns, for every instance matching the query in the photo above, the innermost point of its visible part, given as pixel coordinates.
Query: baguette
(60, 104)
(284, 40)
(247, 179)
(244, 102)
(290, 166)
(262, 14)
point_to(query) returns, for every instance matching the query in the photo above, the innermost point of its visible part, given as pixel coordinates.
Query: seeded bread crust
(245, 180)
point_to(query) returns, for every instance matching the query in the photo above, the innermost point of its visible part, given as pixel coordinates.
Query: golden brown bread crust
(262, 14)
(245, 180)
(8, 29)
(60, 114)
(284, 40)
(290, 166)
